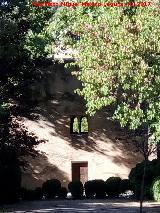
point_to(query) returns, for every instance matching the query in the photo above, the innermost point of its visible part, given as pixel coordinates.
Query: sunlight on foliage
(119, 60)
(84, 124)
(75, 125)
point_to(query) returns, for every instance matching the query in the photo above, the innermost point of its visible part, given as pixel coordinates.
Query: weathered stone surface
(108, 149)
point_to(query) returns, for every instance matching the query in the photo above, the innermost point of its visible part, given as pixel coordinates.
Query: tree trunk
(158, 151)
(142, 186)
(145, 154)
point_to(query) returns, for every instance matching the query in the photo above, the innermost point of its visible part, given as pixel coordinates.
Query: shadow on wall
(39, 170)
(105, 136)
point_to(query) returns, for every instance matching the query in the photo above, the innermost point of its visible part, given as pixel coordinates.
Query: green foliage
(62, 193)
(20, 25)
(118, 56)
(84, 125)
(10, 182)
(27, 194)
(135, 177)
(156, 189)
(38, 193)
(95, 188)
(39, 45)
(99, 188)
(51, 188)
(155, 167)
(125, 185)
(18, 19)
(24, 38)
(89, 189)
(113, 186)
(76, 125)
(31, 194)
(80, 125)
(4, 109)
(76, 189)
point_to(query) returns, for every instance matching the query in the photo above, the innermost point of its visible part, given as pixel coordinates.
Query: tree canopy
(24, 39)
(119, 60)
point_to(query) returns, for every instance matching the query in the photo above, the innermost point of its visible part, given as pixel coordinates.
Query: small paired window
(79, 125)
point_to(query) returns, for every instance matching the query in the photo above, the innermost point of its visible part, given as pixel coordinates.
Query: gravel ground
(80, 206)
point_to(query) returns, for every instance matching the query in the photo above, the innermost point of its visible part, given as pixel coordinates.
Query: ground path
(80, 206)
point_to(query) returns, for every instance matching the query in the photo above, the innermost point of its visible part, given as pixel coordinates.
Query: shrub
(135, 178)
(95, 188)
(27, 194)
(10, 183)
(51, 188)
(155, 189)
(125, 185)
(89, 189)
(113, 186)
(136, 174)
(38, 194)
(147, 193)
(155, 168)
(76, 189)
(31, 194)
(99, 188)
(62, 193)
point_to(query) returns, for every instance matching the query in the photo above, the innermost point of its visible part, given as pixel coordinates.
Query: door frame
(78, 162)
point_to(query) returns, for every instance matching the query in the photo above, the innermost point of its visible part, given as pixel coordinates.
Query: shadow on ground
(81, 206)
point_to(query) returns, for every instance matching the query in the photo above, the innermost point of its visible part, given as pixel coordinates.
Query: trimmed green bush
(10, 183)
(62, 193)
(155, 190)
(136, 174)
(38, 193)
(50, 188)
(31, 194)
(135, 178)
(95, 188)
(89, 189)
(99, 188)
(76, 189)
(113, 186)
(125, 185)
(155, 168)
(147, 193)
(27, 194)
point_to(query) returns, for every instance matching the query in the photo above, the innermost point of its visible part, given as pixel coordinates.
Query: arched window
(76, 125)
(79, 125)
(84, 125)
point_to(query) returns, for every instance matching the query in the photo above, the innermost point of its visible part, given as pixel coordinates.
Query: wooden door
(80, 171)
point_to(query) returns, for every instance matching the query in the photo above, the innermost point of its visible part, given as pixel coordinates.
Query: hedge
(50, 188)
(155, 190)
(76, 189)
(113, 186)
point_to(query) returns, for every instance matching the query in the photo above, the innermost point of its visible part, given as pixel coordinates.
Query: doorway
(80, 171)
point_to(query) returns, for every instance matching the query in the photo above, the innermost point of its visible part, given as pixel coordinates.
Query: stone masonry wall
(108, 149)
